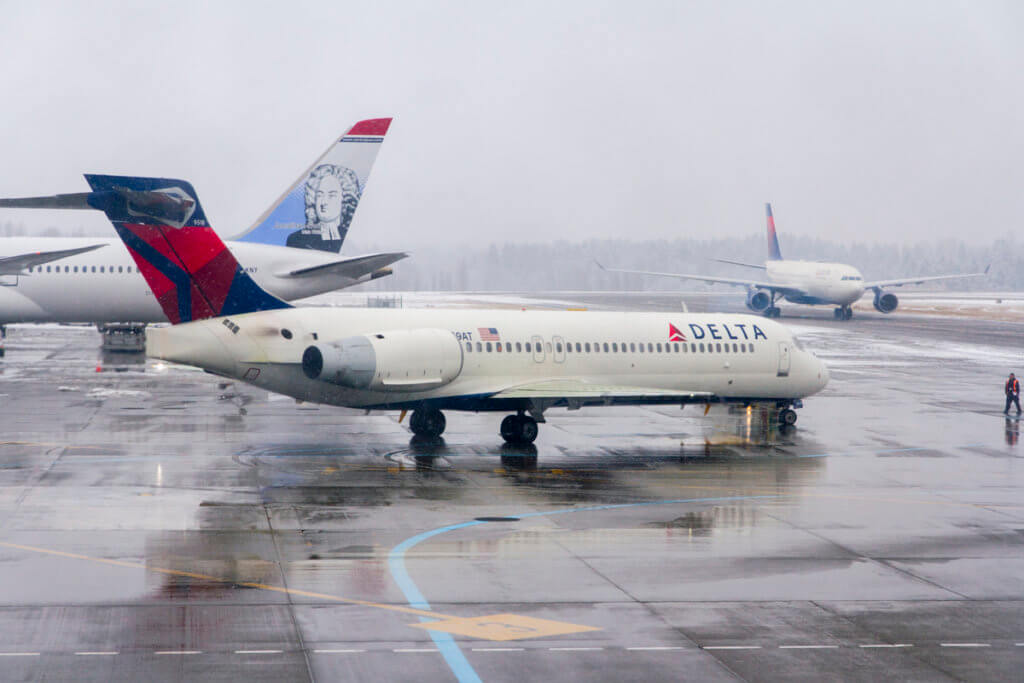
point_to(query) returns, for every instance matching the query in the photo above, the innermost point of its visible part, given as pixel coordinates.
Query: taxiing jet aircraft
(806, 282)
(521, 362)
(292, 250)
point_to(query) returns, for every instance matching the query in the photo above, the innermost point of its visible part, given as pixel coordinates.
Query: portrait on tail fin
(316, 210)
(331, 196)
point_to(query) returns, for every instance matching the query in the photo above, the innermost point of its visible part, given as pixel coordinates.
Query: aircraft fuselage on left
(104, 285)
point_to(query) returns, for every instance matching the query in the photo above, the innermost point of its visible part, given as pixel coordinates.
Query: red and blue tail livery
(774, 253)
(191, 272)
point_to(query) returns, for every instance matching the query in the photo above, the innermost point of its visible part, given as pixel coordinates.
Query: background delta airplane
(806, 282)
(521, 362)
(291, 250)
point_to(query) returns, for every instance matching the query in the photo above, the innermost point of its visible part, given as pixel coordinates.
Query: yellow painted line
(207, 577)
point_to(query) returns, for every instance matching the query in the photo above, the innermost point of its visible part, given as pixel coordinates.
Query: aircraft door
(559, 349)
(783, 359)
(538, 349)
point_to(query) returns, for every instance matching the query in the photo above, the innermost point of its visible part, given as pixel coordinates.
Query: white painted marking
(19, 654)
(965, 645)
(574, 649)
(808, 647)
(96, 654)
(1019, 644)
(730, 647)
(656, 647)
(887, 645)
(498, 649)
(258, 652)
(178, 652)
(416, 649)
(337, 652)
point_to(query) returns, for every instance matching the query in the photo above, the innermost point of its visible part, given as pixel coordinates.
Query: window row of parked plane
(400, 359)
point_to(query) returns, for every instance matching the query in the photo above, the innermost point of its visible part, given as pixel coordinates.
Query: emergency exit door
(538, 349)
(783, 359)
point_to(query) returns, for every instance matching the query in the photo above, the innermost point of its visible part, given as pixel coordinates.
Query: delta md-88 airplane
(291, 250)
(806, 282)
(519, 362)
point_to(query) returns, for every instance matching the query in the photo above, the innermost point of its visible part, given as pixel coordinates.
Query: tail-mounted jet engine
(758, 300)
(396, 360)
(885, 302)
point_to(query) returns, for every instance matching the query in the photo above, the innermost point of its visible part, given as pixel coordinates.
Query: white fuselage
(733, 357)
(824, 283)
(104, 285)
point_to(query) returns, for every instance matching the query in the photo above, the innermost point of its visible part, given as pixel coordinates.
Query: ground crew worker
(1012, 394)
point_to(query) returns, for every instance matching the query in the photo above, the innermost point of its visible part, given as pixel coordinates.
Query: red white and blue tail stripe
(189, 269)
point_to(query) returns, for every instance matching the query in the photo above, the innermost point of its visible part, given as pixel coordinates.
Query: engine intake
(758, 300)
(885, 302)
(396, 360)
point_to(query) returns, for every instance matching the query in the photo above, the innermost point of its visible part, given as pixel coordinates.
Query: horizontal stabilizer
(78, 200)
(355, 267)
(14, 265)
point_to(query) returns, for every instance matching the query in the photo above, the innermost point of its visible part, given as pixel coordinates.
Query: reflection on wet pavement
(154, 509)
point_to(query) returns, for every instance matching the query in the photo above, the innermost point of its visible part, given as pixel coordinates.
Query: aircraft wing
(879, 284)
(14, 265)
(574, 393)
(354, 267)
(737, 282)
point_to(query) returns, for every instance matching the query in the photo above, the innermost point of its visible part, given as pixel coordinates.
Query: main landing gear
(787, 417)
(772, 312)
(519, 429)
(427, 422)
(843, 313)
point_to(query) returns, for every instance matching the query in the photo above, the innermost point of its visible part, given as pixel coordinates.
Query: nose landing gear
(519, 429)
(843, 313)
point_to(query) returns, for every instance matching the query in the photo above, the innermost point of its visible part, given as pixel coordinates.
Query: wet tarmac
(157, 523)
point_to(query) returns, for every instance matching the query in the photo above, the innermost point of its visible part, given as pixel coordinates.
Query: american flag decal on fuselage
(488, 334)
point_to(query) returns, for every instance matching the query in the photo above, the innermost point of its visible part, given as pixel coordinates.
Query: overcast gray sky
(860, 121)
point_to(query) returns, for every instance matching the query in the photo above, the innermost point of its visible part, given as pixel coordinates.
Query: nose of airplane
(823, 375)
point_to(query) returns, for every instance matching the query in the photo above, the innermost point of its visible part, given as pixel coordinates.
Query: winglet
(774, 253)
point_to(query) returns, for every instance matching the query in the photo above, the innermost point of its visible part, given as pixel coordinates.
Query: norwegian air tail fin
(316, 211)
(774, 253)
(186, 265)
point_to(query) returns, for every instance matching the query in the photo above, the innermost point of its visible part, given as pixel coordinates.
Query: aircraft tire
(427, 422)
(787, 417)
(519, 429)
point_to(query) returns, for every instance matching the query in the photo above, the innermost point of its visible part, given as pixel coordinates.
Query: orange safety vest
(1013, 386)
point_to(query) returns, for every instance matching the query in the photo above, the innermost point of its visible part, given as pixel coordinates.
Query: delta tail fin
(316, 211)
(186, 265)
(774, 253)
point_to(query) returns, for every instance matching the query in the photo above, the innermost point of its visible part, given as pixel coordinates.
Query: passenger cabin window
(488, 347)
(579, 347)
(615, 347)
(632, 346)
(479, 347)
(469, 346)
(558, 347)
(519, 347)
(586, 347)
(528, 347)
(606, 347)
